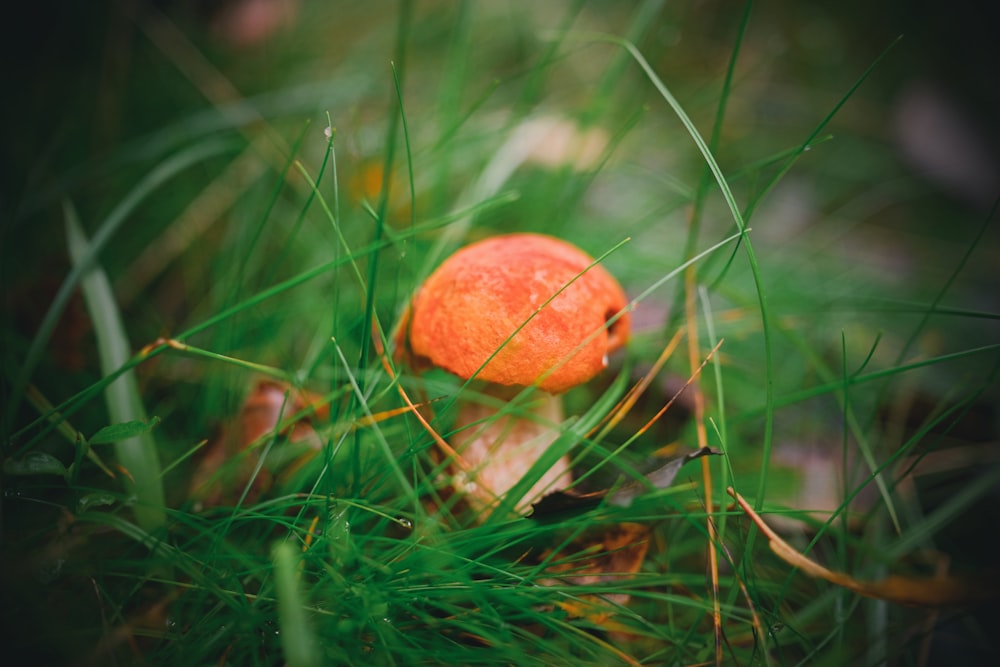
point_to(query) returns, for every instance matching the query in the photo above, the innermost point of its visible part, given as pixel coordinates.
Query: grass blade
(297, 640)
(137, 454)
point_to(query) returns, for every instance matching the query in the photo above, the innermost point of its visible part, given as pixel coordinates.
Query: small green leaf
(123, 431)
(93, 500)
(35, 463)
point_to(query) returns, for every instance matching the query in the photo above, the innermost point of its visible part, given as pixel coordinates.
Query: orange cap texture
(477, 298)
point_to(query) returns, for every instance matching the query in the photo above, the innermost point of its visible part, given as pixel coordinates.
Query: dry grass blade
(412, 407)
(673, 399)
(690, 312)
(629, 400)
(941, 591)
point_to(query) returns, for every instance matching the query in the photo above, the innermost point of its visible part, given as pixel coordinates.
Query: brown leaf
(609, 553)
(940, 591)
(618, 552)
(615, 554)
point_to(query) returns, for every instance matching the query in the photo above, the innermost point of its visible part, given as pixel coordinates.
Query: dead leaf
(617, 553)
(613, 555)
(942, 591)
(622, 496)
(660, 478)
(610, 553)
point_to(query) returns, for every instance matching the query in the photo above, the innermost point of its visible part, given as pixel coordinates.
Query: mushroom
(510, 312)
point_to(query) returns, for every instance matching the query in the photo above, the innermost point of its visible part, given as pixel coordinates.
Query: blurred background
(99, 93)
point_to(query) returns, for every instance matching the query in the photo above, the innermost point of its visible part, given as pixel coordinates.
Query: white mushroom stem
(498, 450)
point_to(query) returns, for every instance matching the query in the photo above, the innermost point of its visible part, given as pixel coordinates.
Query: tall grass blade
(137, 454)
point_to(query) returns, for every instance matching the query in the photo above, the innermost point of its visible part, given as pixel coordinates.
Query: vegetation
(210, 233)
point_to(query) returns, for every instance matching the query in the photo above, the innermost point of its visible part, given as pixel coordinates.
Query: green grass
(220, 230)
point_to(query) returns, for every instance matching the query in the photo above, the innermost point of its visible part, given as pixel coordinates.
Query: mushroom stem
(499, 449)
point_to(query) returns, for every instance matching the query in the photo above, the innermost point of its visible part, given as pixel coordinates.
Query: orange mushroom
(514, 311)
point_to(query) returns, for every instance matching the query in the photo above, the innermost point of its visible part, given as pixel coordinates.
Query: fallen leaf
(617, 553)
(610, 553)
(621, 496)
(614, 554)
(659, 478)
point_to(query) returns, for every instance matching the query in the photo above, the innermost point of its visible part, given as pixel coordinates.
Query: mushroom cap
(471, 305)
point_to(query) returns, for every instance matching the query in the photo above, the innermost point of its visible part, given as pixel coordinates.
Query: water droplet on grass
(47, 572)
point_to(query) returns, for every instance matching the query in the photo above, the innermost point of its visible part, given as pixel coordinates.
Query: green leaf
(35, 463)
(123, 431)
(94, 500)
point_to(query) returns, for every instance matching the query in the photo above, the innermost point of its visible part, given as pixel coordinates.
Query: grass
(267, 218)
